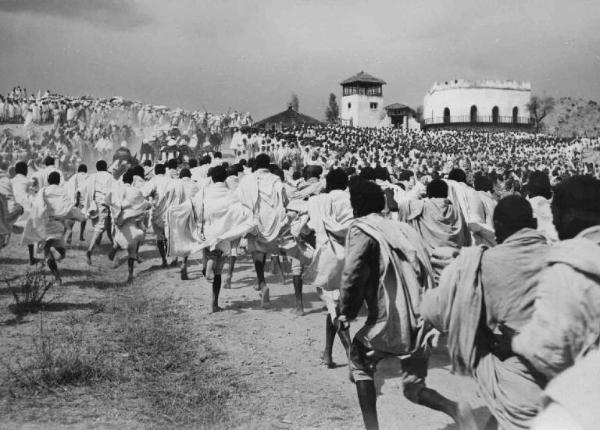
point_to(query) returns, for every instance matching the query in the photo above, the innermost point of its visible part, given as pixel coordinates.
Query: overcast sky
(251, 55)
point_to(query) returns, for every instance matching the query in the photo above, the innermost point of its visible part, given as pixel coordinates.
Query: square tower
(362, 101)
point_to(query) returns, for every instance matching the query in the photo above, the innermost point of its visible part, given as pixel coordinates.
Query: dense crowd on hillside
(85, 129)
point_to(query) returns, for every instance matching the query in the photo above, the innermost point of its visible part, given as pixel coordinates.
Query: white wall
(460, 95)
(360, 111)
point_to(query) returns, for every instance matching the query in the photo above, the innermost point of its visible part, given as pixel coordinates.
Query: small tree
(419, 114)
(539, 108)
(294, 102)
(332, 113)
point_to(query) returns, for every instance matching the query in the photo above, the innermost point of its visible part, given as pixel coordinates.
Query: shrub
(29, 295)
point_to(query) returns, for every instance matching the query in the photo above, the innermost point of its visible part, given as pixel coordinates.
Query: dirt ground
(274, 352)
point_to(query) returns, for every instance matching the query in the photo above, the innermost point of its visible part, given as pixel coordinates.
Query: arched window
(495, 114)
(446, 116)
(515, 115)
(473, 114)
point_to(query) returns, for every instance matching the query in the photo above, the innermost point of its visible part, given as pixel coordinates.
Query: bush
(29, 295)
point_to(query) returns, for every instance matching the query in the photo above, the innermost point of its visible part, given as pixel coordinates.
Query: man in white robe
(94, 206)
(40, 177)
(10, 210)
(128, 208)
(24, 194)
(164, 194)
(46, 224)
(75, 187)
(329, 216)
(539, 194)
(471, 206)
(262, 193)
(565, 325)
(222, 219)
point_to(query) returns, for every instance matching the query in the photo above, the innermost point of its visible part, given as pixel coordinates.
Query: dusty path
(275, 352)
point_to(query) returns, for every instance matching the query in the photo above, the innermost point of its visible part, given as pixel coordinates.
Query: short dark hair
(101, 166)
(218, 154)
(148, 163)
(437, 189)
(21, 168)
(218, 174)
(313, 171)
(128, 176)
(367, 173)
(514, 212)
(205, 160)
(336, 179)
(458, 175)
(159, 169)
(185, 173)
(82, 168)
(193, 163)
(382, 173)
(172, 163)
(366, 197)
(539, 185)
(482, 183)
(405, 175)
(576, 205)
(262, 161)
(54, 178)
(139, 171)
(49, 161)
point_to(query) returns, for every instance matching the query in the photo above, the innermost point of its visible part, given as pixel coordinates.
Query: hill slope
(574, 117)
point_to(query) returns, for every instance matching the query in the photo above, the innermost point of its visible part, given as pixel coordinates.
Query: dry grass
(180, 378)
(56, 360)
(137, 350)
(29, 294)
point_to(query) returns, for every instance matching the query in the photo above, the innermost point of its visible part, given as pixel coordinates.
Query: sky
(246, 55)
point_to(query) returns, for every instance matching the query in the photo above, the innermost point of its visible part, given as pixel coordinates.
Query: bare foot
(216, 309)
(129, 279)
(299, 312)
(227, 283)
(88, 257)
(184, 275)
(327, 361)
(165, 264)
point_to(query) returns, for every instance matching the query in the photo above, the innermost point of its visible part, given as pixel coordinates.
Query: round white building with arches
(461, 103)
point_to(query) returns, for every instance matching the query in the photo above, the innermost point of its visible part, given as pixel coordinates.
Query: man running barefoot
(223, 220)
(387, 267)
(263, 194)
(96, 188)
(128, 207)
(51, 209)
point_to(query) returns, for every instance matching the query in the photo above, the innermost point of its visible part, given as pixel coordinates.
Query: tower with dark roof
(362, 101)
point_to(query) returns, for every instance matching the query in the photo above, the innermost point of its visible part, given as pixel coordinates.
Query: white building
(486, 103)
(362, 101)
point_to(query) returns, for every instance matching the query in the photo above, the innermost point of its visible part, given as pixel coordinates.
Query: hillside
(574, 117)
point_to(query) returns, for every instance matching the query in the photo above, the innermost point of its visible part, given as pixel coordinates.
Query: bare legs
(297, 280)
(331, 329)
(184, 274)
(51, 261)
(230, 269)
(259, 266)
